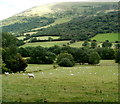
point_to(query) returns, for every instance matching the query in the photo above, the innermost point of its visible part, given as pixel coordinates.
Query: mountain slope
(41, 17)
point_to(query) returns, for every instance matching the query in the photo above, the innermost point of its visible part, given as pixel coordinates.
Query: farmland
(45, 44)
(81, 83)
(107, 36)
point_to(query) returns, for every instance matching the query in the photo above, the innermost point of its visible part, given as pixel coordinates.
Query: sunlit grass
(81, 83)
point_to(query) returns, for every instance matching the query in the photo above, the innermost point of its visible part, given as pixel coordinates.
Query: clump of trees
(12, 61)
(65, 59)
(40, 55)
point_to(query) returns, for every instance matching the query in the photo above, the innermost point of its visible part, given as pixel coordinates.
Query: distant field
(81, 83)
(47, 37)
(45, 44)
(21, 37)
(108, 36)
(77, 44)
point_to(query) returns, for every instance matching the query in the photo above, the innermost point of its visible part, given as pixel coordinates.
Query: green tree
(86, 44)
(67, 56)
(93, 44)
(117, 56)
(13, 61)
(65, 62)
(107, 44)
(94, 58)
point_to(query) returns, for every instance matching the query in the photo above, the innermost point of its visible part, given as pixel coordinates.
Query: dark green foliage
(5, 69)
(40, 55)
(117, 46)
(31, 22)
(107, 44)
(16, 64)
(94, 58)
(106, 53)
(93, 44)
(84, 27)
(117, 56)
(13, 61)
(65, 62)
(20, 42)
(63, 57)
(86, 44)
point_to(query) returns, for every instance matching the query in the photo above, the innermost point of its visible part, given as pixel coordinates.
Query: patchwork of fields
(81, 83)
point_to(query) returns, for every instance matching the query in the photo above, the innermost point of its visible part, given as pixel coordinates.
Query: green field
(77, 44)
(81, 83)
(45, 44)
(21, 37)
(47, 37)
(108, 36)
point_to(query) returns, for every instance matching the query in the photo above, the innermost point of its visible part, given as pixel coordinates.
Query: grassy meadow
(45, 44)
(81, 83)
(107, 36)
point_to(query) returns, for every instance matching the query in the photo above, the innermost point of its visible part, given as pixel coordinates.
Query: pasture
(45, 44)
(81, 83)
(108, 36)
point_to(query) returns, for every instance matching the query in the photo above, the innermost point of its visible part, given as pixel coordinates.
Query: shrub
(5, 69)
(65, 62)
(64, 57)
(94, 58)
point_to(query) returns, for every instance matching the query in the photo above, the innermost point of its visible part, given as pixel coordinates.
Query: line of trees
(13, 61)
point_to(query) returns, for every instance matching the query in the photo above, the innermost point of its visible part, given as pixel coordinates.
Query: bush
(94, 58)
(117, 56)
(5, 69)
(63, 58)
(65, 62)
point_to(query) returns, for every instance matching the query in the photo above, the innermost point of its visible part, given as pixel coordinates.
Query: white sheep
(6, 73)
(31, 75)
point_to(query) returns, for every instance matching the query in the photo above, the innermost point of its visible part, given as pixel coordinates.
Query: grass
(108, 36)
(45, 44)
(47, 37)
(21, 37)
(77, 44)
(81, 83)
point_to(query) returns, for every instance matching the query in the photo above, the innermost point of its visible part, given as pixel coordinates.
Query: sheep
(31, 75)
(6, 73)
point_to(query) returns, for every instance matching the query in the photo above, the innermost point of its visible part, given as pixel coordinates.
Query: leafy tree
(13, 61)
(93, 44)
(117, 56)
(94, 58)
(86, 44)
(107, 44)
(65, 62)
(61, 56)
(40, 55)
(106, 53)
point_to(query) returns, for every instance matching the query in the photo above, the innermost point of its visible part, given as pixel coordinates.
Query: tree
(65, 62)
(106, 53)
(63, 57)
(13, 61)
(93, 44)
(107, 44)
(94, 58)
(117, 56)
(40, 55)
(86, 44)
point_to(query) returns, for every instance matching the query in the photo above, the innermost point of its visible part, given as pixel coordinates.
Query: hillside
(41, 17)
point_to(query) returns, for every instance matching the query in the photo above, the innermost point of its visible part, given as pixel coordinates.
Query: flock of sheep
(29, 74)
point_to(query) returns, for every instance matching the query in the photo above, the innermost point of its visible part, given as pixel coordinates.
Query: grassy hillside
(108, 36)
(81, 83)
(57, 13)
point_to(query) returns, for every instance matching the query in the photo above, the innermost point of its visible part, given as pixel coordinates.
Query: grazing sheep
(6, 73)
(31, 75)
